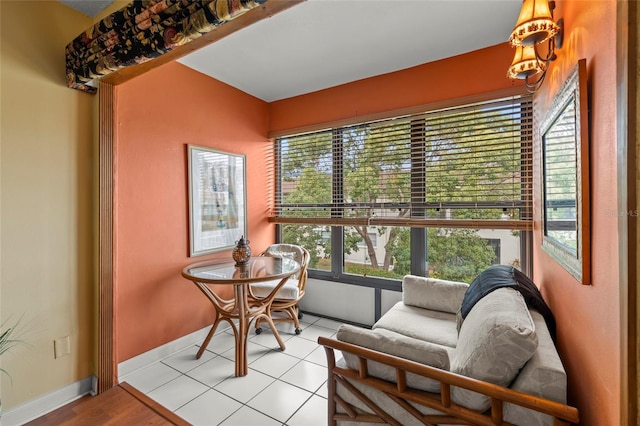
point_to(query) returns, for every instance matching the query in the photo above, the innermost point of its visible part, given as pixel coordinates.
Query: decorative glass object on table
(241, 252)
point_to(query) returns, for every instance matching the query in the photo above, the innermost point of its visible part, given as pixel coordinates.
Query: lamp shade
(525, 64)
(535, 24)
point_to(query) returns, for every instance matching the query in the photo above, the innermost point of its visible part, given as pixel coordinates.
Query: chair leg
(292, 312)
(275, 332)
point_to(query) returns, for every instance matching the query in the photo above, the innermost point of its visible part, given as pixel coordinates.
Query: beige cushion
(289, 291)
(543, 375)
(432, 293)
(429, 326)
(398, 345)
(496, 339)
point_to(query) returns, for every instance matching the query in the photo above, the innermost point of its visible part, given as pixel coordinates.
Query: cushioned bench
(422, 364)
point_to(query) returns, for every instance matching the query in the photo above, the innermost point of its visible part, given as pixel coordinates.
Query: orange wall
(156, 119)
(470, 74)
(588, 316)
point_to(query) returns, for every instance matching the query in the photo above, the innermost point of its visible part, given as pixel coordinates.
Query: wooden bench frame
(403, 395)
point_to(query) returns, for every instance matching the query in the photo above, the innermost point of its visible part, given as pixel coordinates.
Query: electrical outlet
(61, 347)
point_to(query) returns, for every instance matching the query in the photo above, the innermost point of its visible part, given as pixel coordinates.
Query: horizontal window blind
(467, 166)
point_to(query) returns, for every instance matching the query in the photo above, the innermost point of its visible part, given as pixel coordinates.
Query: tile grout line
(298, 409)
(299, 359)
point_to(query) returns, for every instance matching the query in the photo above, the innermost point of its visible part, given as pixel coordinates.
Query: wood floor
(121, 405)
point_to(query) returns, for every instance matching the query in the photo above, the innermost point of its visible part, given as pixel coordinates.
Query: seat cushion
(289, 291)
(398, 345)
(423, 324)
(496, 340)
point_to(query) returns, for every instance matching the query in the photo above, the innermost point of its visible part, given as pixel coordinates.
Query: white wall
(346, 302)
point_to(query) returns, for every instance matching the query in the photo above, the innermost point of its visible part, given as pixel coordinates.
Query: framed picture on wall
(565, 177)
(217, 200)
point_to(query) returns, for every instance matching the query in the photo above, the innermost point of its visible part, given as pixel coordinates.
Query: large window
(432, 193)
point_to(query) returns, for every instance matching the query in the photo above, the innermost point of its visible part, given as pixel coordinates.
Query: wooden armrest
(402, 394)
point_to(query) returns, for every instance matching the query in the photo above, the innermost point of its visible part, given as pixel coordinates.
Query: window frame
(418, 234)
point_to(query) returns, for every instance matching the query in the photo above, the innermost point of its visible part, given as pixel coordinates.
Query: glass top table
(244, 307)
(222, 271)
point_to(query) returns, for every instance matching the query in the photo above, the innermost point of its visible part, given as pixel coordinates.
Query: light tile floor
(282, 388)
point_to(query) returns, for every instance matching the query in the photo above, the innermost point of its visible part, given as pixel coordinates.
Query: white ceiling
(325, 43)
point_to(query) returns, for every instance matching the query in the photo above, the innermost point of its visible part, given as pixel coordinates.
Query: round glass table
(244, 307)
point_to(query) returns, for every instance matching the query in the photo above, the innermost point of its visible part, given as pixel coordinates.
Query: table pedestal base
(227, 310)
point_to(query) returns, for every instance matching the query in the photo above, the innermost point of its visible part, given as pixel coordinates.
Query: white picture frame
(217, 200)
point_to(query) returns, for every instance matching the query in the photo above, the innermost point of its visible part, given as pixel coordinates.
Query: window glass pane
(315, 238)
(305, 175)
(474, 213)
(475, 154)
(377, 165)
(377, 251)
(461, 254)
(453, 254)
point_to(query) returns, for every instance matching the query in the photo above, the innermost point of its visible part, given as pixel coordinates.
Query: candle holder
(241, 252)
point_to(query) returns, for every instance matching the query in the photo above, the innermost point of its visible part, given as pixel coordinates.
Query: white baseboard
(44, 404)
(157, 354)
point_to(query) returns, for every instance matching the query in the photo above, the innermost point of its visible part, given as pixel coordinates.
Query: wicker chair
(287, 298)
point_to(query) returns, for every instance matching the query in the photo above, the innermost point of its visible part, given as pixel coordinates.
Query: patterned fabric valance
(143, 30)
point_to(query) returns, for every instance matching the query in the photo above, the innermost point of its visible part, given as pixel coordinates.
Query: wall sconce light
(535, 26)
